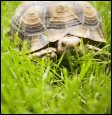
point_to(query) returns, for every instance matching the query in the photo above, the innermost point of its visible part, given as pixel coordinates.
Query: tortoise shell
(41, 22)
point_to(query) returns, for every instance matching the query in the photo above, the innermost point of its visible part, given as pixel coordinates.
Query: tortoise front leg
(90, 47)
(48, 52)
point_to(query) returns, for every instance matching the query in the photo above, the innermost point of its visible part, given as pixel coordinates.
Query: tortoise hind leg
(11, 34)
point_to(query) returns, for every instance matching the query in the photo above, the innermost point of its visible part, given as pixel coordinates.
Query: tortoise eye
(78, 44)
(63, 44)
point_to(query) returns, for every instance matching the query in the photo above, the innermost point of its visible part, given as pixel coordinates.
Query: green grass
(70, 84)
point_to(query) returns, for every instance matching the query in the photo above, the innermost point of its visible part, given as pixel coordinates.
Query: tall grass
(70, 84)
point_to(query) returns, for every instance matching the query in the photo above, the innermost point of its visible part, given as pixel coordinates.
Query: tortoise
(53, 27)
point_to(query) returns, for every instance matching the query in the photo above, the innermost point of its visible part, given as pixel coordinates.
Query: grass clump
(71, 84)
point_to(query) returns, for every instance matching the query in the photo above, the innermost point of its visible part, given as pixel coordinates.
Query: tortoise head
(68, 42)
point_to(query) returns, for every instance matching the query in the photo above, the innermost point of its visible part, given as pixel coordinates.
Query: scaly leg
(48, 52)
(90, 47)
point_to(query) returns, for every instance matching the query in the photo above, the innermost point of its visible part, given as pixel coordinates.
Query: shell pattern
(42, 22)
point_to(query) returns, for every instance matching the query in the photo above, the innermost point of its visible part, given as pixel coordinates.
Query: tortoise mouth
(71, 50)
